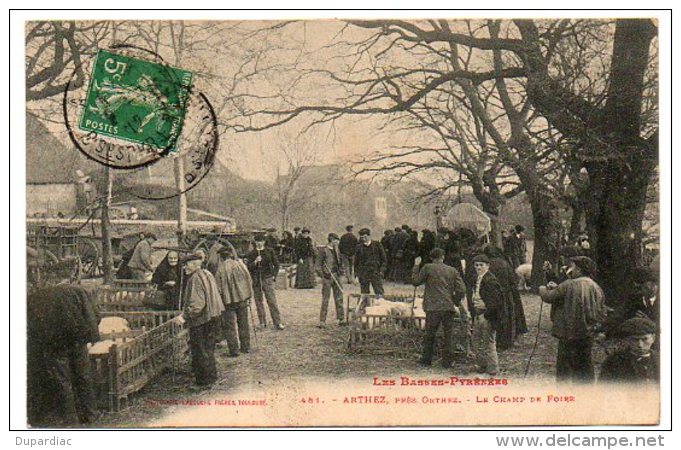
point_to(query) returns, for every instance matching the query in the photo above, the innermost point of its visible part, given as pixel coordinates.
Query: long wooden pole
(181, 198)
(107, 257)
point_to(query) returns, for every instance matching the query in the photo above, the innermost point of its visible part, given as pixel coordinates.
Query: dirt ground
(303, 351)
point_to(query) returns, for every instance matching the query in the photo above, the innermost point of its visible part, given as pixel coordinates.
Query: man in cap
(637, 362)
(578, 311)
(441, 298)
(484, 304)
(140, 265)
(203, 309)
(369, 263)
(263, 264)
(330, 269)
(347, 247)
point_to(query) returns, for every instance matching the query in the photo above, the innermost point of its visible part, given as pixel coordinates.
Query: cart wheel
(88, 252)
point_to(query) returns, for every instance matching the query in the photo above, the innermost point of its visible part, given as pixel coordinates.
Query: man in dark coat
(512, 318)
(369, 263)
(397, 250)
(386, 242)
(441, 298)
(330, 269)
(637, 362)
(347, 247)
(61, 321)
(263, 265)
(484, 303)
(426, 246)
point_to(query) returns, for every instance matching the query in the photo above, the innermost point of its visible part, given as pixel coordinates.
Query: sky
(253, 155)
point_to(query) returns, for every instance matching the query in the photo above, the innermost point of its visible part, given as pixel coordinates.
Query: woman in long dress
(305, 254)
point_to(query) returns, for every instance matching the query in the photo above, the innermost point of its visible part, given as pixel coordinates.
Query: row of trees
(563, 110)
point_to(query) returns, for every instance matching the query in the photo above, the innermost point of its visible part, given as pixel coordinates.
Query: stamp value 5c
(136, 100)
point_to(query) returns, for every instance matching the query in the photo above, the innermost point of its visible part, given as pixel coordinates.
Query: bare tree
(292, 159)
(607, 131)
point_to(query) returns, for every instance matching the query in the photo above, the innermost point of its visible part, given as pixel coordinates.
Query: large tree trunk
(619, 160)
(546, 221)
(615, 216)
(618, 185)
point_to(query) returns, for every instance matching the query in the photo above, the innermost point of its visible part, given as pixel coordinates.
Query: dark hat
(481, 258)
(271, 230)
(296, 228)
(405, 227)
(305, 230)
(637, 327)
(259, 237)
(364, 232)
(349, 227)
(191, 257)
(150, 235)
(519, 228)
(437, 253)
(585, 264)
(333, 236)
(398, 229)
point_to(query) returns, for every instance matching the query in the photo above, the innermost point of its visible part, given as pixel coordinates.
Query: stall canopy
(469, 216)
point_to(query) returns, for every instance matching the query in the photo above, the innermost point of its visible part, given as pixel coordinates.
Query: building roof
(49, 160)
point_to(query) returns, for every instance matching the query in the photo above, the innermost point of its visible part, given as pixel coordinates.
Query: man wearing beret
(637, 362)
(578, 310)
(370, 263)
(330, 269)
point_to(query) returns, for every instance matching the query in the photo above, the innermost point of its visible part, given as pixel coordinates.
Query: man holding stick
(263, 265)
(330, 269)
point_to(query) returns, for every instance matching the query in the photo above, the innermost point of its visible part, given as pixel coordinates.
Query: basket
(401, 337)
(156, 342)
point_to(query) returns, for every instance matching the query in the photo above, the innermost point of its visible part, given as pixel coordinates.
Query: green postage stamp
(136, 100)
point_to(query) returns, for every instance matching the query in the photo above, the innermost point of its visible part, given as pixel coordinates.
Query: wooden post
(105, 224)
(114, 400)
(181, 198)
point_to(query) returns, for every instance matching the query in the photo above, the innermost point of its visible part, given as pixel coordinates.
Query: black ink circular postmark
(136, 112)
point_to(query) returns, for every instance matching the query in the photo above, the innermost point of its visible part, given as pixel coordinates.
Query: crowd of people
(462, 278)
